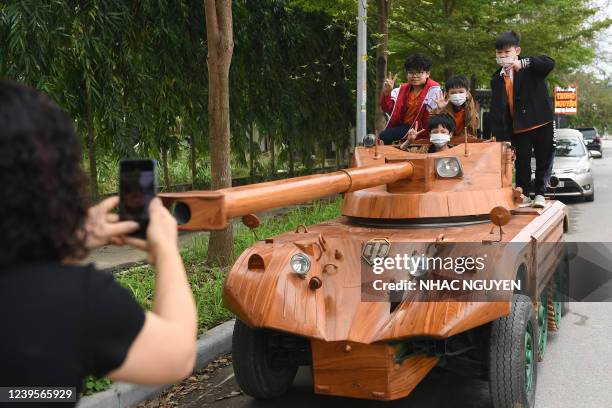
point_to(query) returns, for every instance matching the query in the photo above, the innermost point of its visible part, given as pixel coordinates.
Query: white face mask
(505, 61)
(457, 99)
(439, 139)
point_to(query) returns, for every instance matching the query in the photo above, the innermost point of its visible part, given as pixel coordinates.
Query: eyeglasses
(415, 73)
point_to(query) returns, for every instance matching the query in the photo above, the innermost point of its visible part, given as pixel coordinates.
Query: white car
(572, 166)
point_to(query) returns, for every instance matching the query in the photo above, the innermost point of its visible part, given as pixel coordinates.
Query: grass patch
(315, 213)
(207, 282)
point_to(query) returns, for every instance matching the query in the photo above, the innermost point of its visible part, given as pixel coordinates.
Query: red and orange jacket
(395, 105)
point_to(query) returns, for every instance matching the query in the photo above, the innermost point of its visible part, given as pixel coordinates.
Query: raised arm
(164, 350)
(542, 64)
(388, 94)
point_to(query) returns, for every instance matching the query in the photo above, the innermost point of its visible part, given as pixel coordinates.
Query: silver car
(572, 166)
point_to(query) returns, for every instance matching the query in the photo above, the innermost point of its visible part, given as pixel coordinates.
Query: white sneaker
(539, 201)
(526, 202)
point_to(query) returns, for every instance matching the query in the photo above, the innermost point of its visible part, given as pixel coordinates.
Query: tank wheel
(555, 306)
(513, 351)
(258, 370)
(542, 323)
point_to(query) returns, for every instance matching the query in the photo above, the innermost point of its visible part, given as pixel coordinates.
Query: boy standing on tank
(521, 112)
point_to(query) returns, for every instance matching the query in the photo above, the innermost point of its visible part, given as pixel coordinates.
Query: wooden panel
(474, 202)
(366, 203)
(357, 370)
(548, 251)
(415, 184)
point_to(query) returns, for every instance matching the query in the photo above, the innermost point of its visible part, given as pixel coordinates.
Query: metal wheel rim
(529, 358)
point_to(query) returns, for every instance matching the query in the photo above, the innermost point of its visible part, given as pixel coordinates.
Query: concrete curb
(123, 266)
(212, 344)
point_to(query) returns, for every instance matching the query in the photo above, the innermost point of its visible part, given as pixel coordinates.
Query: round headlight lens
(369, 140)
(448, 167)
(300, 264)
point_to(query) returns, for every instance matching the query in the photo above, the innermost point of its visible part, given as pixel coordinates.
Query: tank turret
(385, 185)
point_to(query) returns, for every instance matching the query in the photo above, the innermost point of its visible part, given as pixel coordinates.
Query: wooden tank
(355, 347)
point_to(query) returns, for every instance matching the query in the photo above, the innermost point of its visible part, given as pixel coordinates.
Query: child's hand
(389, 84)
(442, 101)
(412, 133)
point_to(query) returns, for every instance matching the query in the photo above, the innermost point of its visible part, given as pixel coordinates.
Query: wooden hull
(267, 294)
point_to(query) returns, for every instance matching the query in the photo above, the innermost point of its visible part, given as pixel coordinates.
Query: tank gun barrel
(210, 210)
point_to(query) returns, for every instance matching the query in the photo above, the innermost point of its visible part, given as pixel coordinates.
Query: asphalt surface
(576, 371)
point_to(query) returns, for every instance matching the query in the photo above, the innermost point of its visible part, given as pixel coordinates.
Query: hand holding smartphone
(137, 187)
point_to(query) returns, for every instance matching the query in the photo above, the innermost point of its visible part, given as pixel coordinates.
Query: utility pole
(362, 64)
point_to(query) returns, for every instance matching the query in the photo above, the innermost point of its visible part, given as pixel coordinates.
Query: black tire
(590, 198)
(254, 368)
(508, 357)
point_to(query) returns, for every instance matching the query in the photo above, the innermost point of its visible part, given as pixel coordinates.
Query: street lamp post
(362, 64)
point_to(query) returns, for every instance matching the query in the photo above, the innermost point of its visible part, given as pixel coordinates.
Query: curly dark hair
(418, 62)
(43, 207)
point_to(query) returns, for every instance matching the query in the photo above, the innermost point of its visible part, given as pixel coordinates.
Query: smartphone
(137, 187)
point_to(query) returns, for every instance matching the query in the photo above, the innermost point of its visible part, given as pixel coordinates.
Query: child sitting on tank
(441, 128)
(459, 103)
(411, 102)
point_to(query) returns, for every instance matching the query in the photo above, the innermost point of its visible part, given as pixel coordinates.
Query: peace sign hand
(412, 133)
(389, 84)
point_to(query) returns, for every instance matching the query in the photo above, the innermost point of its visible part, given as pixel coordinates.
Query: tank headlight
(369, 140)
(300, 264)
(447, 167)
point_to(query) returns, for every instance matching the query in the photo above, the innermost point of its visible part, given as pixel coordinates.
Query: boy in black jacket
(521, 112)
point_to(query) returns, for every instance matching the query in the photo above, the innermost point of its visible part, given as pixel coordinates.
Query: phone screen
(137, 187)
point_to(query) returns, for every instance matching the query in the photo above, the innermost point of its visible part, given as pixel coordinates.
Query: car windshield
(569, 148)
(588, 134)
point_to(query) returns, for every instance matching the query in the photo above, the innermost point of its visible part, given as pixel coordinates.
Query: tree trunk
(272, 157)
(290, 151)
(473, 83)
(220, 48)
(251, 154)
(194, 171)
(307, 159)
(384, 6)
(448, 72)
(323, 153)
(164, 152)
(91, 152)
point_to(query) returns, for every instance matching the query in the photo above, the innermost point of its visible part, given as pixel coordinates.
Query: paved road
(577, 371)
